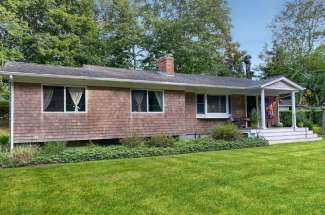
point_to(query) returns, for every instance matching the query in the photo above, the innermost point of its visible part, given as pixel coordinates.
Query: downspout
(11, 112)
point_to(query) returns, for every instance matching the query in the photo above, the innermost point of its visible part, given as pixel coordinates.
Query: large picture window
(64, 99)
(212, 106)
(147, 101)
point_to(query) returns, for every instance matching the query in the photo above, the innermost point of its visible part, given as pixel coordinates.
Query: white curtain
(159, 99)
(48, 94)
(76, 94)
(138, 100)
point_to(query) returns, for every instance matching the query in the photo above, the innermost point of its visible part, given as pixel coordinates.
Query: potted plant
(255, 119)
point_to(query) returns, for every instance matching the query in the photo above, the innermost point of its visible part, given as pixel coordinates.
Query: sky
(250, 19)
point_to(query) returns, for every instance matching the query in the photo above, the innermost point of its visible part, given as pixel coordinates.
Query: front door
(250, 106)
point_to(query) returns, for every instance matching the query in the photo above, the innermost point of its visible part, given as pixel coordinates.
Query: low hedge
(117, 152)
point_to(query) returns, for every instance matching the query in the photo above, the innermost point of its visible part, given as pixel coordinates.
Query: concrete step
(286, 133)
(290, 137)
(278, 130)
(295, 140)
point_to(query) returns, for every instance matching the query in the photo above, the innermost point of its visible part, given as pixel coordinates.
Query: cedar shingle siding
(108, 116)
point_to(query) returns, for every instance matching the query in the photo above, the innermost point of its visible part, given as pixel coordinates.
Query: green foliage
(4, 139)
(255, 118)
(317, 129)
(305, 118)
(29, 155)
(133, 141)
(160, 140)
(300, 124)
(19, 156)
(225, 131)
(53, 148)
(130, 34)
(298, 51)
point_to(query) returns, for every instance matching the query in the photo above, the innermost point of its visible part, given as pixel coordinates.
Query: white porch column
(293, 110)
(11, 110)
(263, 126)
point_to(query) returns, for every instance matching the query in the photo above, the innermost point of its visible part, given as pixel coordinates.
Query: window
(229, 104)
(64, 99)
(216, 104)
(53, 99)
(75, 99)
(200, 104)
(147, 101)
(212, 106)
(139, 101)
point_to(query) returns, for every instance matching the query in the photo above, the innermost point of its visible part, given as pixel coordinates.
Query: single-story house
(57, 103)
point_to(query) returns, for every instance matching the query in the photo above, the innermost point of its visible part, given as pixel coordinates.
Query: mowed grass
(281, 179)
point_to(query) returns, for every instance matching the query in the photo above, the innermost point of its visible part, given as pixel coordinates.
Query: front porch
(264, 103)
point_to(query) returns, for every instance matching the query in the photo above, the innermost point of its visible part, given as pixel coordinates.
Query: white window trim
(207, 115)
(146, 112)
(64, 99)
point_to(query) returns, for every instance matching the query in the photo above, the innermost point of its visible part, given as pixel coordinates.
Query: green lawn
(3, 131)
(281, 179)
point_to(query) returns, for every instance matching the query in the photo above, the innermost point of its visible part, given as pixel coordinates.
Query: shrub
(117, 152)
(19, 156)
(160, 140)
(300, 124)
(51, 148)
(255, 118)
(317, 129)
(133, 141)
(225, 131)
(4, 139)
(308, 117)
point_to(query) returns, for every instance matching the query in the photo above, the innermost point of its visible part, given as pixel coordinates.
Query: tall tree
(12, 30)
(59, 31)
(297, 51)
(121, 33)
(196, 32)
(300, 27)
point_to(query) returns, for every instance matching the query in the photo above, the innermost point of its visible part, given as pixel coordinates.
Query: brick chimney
(166, 64)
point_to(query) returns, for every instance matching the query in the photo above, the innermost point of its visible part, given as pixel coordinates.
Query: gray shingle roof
(115, 73)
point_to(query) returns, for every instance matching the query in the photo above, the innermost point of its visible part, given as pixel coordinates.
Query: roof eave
(300, 88)
(21, 74)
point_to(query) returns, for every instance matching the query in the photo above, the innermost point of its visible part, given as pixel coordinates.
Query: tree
(58, 31)
(12, 30)
(121, 33)
(315, 77)
(196, 32)
(297, 51)
(300, 27)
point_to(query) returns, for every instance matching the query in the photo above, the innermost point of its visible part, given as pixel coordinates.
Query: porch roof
(97, 73)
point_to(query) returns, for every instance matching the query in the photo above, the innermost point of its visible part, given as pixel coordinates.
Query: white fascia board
(300, 88)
